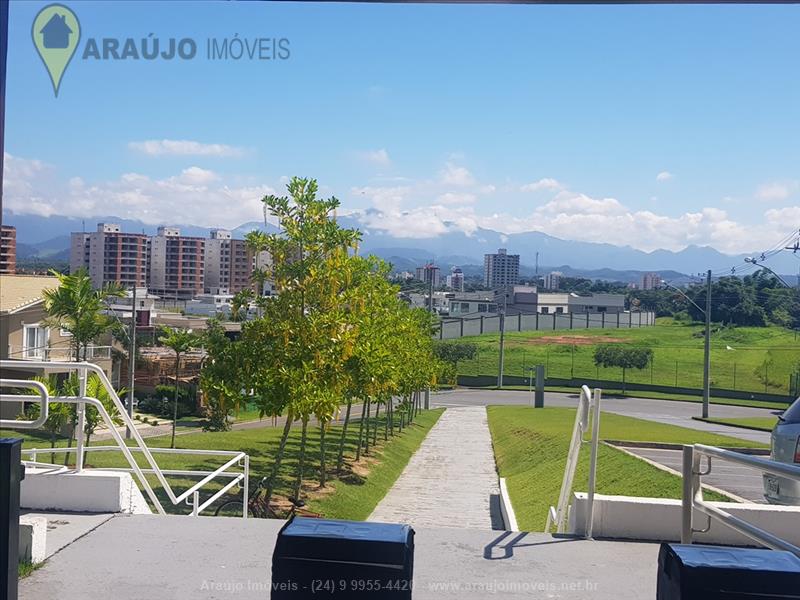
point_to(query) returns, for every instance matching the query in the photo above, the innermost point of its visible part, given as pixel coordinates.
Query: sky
(649, 126)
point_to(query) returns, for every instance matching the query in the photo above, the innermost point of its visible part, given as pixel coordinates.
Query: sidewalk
(451, 481)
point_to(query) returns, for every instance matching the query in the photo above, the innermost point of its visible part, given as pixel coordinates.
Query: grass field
(531, 446)
(761, 359)
(354, 496)
(757, 423)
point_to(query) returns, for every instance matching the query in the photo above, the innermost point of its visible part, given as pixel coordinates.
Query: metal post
(530, 383)
(707, 349)
(131, 360)
(79, 434)
(593, 461)
(538, 401)
(246, 485)
(687, 498)
(196, 503)
(502, 340)
(11, 474)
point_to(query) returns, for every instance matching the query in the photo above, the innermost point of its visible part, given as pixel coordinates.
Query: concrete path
(670, 412)
(181, 558)
(451, 481)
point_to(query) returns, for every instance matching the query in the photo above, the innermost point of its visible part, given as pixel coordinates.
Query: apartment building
(8, 249)
(455, 281)
(228, 264)
(651, 281)
(176, 265)
(500, 270)
(552, 280)
(430, 273)
(109, 255)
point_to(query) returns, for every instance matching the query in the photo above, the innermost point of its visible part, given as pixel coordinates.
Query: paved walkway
(451, 481)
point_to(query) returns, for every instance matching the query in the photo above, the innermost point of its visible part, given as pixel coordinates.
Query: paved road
(662, 411)
(180, 558)
(736, 479)
(450, 480)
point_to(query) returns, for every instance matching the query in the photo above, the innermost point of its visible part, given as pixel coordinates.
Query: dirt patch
(576, 340)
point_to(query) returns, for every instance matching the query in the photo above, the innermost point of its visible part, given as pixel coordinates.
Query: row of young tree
(335, 335)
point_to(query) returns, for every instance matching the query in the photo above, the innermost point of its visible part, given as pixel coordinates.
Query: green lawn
(352, 497)
(531, 446)
(761, 359)
(757, 423)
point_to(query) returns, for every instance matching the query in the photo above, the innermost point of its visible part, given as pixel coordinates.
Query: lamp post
(707, 341)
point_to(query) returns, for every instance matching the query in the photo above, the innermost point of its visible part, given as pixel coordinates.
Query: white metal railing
(587, 414)
(57, 353)
(190, 496)
(692, 500)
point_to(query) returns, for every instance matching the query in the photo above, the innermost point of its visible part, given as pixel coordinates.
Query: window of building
(559, 310)
(545, 310)
(34, 341)
(481, 308)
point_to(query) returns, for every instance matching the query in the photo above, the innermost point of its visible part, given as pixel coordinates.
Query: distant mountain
(50, 236)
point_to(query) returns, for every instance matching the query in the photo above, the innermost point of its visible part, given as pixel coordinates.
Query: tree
(96, 389)
(240, 304)
(180, 341)
(451, 353)
(77, 308)
(626, 357)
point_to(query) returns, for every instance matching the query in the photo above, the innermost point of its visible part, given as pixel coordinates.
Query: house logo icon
(56, 33)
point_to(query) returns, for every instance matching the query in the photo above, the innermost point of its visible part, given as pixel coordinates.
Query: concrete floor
(181, 558)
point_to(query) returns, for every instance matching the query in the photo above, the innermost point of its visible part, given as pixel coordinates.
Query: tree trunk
(361, 429)
(366, 437)
(175, 403)
(375, 427)
(276, 465)
(88, 437)
(391, 416)
(322, 455)
(340, 458)
(302, 462)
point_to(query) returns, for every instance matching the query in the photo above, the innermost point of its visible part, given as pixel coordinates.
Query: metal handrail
(83, 369)
(63, 353)
(588, 410)
(692, 498)
(44, 398)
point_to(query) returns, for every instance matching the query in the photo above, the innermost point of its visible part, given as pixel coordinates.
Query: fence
(766, 372)
(451, 327)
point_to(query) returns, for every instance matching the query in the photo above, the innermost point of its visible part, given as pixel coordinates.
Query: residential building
(8, 249)
(473, 303)
(500, 270)
(177, 264)
(24, 333)
(455, 281)
(210, 305)
(429, 273)
(109, 255)
(651, 281)
(552, 281)
(552, 303)
(228, 264)
(260, 261)
(145, 308)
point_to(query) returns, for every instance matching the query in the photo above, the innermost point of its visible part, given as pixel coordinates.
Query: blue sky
(655, 126)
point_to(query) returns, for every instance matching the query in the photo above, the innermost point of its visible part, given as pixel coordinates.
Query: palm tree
(240, 304)
(96, 389)
(77, 308)
(180, 341)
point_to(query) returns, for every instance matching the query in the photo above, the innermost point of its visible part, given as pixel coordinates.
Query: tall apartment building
(501, 269)
(228, 264)
(651, 281)
(428, 273)
(8, 250)
(109, 255)
(261, 261)
(176, 265)
(455, 281)
(553, 280)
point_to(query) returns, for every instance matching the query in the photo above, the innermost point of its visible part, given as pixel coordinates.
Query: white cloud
(776, 191)
(664, 176)
(196, 196)
(544, 184)
(376, 157)
(457, 198)
(455, 175)
(184, 148)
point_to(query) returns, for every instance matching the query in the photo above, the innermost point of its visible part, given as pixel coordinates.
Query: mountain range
(43, 237)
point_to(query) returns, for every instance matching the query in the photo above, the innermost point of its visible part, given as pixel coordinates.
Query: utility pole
(707, 349)
(131, 359)
(429, 274)
(502, 339)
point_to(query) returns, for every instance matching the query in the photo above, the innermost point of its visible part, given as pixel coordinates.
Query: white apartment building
(500, 270)
(177, 264)
(109, 255)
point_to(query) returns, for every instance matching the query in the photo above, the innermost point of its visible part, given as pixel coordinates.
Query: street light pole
(131, 359)
(707, 350)
(502, 340)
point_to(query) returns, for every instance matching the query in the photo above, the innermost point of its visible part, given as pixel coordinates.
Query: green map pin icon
(56, 33)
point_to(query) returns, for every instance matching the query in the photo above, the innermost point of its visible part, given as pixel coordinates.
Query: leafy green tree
(180, 341)
(240, 304)
(76, 307)
(624, 357)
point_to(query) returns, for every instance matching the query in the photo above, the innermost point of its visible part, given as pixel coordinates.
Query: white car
(785, 448)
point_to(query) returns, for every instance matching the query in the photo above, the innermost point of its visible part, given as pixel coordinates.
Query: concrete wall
(659, 519)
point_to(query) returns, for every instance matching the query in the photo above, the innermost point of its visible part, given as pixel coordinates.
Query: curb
(715, 422)
(668, 446)
(506, 510)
